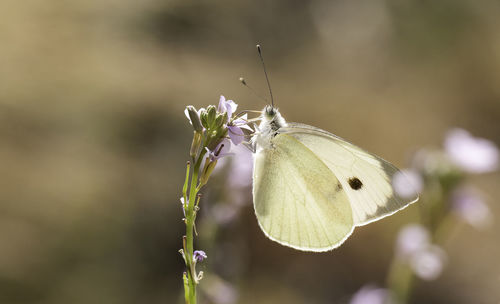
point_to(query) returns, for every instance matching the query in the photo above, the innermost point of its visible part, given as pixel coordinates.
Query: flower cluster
(218, 126)
(215, 129)
(414, 247)
(440, 177)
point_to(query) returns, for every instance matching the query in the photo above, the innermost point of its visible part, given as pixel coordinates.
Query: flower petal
(231, 107)
(199, 255)
(242, 122)
(235, 134)
(222, 104)
(226, 106)
(221, 150)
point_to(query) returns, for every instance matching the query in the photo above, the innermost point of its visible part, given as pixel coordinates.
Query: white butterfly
(311, 188)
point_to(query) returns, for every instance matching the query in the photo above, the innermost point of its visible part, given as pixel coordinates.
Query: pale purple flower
(221, 150)
(240, 172)
(242, 122)
(428, 263)
(227, 106)
(407, 183)
(371, 294)
(411, 239)
(239, 178)
(235, 131)
(199, 255)
(472, 154)
(469, 205)
(235, 134)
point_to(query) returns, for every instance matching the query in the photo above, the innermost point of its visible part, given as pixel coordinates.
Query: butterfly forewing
(298, 200)
(366, 178)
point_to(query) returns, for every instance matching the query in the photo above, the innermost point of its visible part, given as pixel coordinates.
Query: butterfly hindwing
(367, 179)
(298, 201)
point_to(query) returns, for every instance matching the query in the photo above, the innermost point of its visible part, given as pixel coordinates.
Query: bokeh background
(93, 140)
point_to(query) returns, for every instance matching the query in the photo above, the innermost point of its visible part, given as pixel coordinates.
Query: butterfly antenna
(243, 82)
(259, 49)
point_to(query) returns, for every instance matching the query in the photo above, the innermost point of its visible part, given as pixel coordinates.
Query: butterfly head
(270, 123)
(271, 119)
(270, 112)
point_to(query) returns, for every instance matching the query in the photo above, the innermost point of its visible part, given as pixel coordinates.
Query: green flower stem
(190, 218)
(448, 230)
(400, 280)
(186, 285)
(209, 131)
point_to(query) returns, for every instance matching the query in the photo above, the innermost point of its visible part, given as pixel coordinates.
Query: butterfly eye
(270, 111)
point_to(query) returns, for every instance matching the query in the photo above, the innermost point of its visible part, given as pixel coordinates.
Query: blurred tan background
(93, 139)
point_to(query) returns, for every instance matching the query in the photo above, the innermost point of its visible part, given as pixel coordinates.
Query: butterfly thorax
(271, 122)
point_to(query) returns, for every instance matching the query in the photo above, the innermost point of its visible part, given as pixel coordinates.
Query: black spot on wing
(338, 187)
(355, 183)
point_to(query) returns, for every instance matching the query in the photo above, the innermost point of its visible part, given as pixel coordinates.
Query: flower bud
(211, 115)
(207, 171)
(204, 118)
(195, 118)
(221, 119)
(181, 251)
(195, 145)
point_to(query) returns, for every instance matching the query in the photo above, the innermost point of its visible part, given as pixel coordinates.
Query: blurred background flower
(428, 263)
(94, 140)
(407, 182)
(441, 178)
(474, 155)
(371, 294)
(470, 207)
(411, 239)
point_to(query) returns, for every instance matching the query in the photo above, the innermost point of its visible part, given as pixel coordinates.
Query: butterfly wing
(366, 178)
(298, 200)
